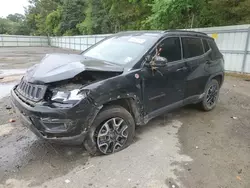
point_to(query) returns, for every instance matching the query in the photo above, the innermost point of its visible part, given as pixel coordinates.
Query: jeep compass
(98, 97)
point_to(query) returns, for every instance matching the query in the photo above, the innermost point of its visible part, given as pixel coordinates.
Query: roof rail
(142, 31)
(185, 31)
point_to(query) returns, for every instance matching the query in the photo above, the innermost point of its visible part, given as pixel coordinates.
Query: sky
(12, 6)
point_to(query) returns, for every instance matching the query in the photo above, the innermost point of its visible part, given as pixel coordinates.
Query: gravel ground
(186, 148)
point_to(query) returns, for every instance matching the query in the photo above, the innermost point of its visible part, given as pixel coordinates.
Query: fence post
(49, 43)
(87, 42)
(74, 43)
(2, 40)
(246, 51)
(17, 41)
(69, 42)
(80, 43)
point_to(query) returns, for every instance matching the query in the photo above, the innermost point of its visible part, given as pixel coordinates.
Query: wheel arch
(131, 104)
(218, 76)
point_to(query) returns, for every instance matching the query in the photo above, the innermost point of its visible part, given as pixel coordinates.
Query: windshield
(122, 49)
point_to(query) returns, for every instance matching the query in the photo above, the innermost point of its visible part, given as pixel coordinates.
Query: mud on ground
(186, 148)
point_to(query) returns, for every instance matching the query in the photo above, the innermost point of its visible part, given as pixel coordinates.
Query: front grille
(31, 91)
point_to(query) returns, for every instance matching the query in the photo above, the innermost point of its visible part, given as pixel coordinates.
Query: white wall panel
(247, 67)
(233, 62)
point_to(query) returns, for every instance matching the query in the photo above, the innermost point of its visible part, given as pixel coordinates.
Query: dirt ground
(187, 148)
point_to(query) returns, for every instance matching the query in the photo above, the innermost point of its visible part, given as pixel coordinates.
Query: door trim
(163, 110)
(190, 100)
(193, 99)
(157, 97)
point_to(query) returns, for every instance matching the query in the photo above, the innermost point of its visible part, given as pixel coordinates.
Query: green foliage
(169, 14)
(16, 17)
(72, 15)
(87, 25)
(53, 22)
(16, 27)
(76, 17)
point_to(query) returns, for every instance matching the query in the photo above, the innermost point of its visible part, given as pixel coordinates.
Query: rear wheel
(211, 97)
(112, 131)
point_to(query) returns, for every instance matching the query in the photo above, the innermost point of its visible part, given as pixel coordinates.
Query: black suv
(96, 98)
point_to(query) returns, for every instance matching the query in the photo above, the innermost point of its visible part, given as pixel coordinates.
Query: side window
(192, 47)
(206, 46)
(171, 49)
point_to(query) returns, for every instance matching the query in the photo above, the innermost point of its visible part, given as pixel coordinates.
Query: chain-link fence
(20, 40)
(76, 42)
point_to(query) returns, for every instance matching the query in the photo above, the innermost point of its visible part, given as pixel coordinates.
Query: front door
(166, 85)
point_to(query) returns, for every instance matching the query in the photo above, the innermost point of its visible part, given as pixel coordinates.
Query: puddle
(9, 72)
(5, 89)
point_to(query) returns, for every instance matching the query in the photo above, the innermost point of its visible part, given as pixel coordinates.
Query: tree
(16, 17)
(53, 22)
(36, 14)
(4, 26)
(231, 12)
(175, 14)
(72, 15)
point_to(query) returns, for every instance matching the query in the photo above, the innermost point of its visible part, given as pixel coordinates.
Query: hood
(57, 67)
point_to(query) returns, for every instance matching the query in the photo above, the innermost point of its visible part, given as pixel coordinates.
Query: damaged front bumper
(57, 125)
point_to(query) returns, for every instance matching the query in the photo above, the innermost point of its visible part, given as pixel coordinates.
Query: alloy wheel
(212, 95)
(112, 135)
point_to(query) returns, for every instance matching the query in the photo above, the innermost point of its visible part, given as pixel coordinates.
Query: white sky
(12, 6)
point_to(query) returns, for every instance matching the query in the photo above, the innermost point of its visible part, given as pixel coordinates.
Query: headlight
(69, 96)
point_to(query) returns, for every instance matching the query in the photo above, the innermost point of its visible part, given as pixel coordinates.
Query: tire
(205, 104)
(102, 123)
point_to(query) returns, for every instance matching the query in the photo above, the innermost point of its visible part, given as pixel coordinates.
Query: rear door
(196, 60)
(177, 70)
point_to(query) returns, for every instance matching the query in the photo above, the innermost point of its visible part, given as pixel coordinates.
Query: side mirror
(159, 62)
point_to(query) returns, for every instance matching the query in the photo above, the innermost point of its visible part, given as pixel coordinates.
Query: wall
(19, 40)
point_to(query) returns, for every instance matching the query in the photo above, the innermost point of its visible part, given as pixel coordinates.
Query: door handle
(181, 69)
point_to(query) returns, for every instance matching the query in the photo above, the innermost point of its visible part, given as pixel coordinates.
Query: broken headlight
(68, 96)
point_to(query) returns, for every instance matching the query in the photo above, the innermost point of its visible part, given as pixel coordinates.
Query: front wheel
(211, 96)
(112, 131)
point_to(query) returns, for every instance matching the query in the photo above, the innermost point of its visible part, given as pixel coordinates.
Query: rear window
(215, 50)
(192, 47)
(206, 46)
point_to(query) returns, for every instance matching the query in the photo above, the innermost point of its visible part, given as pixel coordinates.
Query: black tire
(205, 104)
(91, 143)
